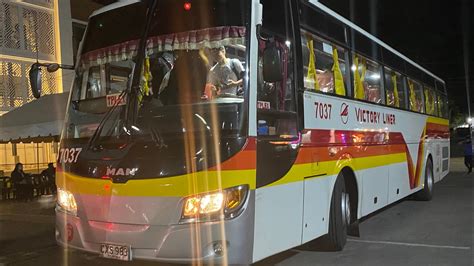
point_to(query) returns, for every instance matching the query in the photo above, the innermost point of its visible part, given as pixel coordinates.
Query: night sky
(434, 33)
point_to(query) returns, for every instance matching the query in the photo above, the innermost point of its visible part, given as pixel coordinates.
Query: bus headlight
(225, 204)
(66, 201)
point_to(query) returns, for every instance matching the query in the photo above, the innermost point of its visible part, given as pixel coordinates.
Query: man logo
(344, 113)
(121, 171)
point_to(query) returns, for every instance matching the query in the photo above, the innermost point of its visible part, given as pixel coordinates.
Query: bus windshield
(191, 78)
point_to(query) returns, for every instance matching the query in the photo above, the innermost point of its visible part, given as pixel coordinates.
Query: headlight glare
(213, 206)
(211, 203)
(66, 201)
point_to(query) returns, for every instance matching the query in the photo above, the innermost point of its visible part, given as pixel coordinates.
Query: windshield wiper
(104, 119)
(135, 83)
(139, 62)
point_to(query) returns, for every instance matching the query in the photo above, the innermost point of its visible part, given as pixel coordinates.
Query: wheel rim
(345, 209)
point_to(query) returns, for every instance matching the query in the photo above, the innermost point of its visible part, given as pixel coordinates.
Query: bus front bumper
(183, 243)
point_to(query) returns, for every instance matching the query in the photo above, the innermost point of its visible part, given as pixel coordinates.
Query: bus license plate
(117, 252)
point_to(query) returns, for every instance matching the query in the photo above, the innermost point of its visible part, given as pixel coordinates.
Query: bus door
(279, 199)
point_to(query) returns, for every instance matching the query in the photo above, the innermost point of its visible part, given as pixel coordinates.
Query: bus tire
(426, 194)
(339, 217)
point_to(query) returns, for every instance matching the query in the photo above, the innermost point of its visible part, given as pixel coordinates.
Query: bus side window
(441, 100)
(395, 93)
(442, 106)
(324, 65)
(276, 106)
(367, 80)
(430, 100)
(415, 97)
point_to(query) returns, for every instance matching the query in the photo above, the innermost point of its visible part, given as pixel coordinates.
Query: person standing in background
(468, 154)
(48, 176)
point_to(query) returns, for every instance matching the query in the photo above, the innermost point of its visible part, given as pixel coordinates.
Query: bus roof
(332, 13)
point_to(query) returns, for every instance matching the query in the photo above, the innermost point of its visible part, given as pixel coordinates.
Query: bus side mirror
(35, 75)
(272, 64)
(35, 80)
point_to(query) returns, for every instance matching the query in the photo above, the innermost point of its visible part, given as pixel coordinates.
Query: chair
(2, 186)
(7, 188)
(37, 184)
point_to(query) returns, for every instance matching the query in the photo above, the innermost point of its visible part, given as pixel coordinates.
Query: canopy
(39, 120)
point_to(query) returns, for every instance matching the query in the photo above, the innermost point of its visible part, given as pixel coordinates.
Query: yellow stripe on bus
(176, 186)
(437, 120)
(202, 182)
(299, 172)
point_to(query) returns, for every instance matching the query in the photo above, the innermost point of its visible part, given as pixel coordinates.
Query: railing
(31, 168)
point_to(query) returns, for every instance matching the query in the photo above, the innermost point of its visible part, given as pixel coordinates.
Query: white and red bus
(229, 131)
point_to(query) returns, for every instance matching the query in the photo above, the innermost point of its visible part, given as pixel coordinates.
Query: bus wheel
(426, 194)
(339, 216)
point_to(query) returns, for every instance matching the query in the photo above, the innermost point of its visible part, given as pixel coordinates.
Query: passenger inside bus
(226, 75)
(190, 76)
(185, 80)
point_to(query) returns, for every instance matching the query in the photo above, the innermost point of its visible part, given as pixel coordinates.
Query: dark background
(434, 33)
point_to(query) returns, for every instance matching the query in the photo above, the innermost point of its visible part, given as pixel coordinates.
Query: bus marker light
(187, 6)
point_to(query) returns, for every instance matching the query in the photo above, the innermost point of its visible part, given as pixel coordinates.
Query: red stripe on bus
(437, 131)
(246, 159)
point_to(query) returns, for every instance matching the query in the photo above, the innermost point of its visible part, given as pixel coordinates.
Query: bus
(228, 131)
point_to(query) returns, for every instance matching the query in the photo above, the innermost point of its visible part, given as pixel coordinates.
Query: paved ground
(439, 232)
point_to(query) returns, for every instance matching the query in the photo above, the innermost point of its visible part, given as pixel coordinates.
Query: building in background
(30, 30)
(46, 30)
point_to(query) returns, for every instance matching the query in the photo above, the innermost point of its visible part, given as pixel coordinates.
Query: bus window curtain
(338, 78)
(429, 102)
(395, 91)
(312, 62)
(413, 106)
(359, 86)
